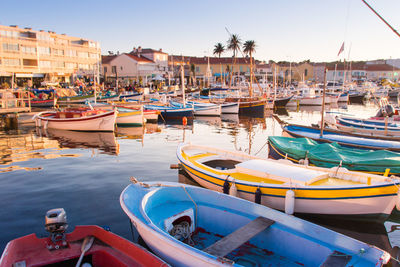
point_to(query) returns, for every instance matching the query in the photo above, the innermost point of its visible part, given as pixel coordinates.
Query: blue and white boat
(172, 113)
(366, 126)
(200, 109)
(342, 138)
(192, 226)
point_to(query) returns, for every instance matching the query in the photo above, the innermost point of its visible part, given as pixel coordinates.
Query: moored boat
(77, 119)
(315, 190)
(249, 106)
(90, 245)
(229, 108)
(130, 117)
(370, 127)
(192, 226)
(172, 113)
(307, 151)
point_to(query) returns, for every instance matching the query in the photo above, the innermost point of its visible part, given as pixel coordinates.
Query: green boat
(329, 155)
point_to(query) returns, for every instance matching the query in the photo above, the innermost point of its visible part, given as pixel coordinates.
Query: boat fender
(233, 189)
(257, 198)
(226, 187)
(289, 202)
(398, 200)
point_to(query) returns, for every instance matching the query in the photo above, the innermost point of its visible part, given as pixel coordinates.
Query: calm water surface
(84, 173)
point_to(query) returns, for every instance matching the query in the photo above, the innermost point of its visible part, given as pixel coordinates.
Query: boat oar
(86, 245)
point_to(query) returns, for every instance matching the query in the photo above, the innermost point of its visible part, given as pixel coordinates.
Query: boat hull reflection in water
(104, 141)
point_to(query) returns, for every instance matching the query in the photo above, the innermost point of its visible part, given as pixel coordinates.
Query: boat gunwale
(42, 115)
(189, 164)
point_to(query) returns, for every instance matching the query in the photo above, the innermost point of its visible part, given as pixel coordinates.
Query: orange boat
(102, 248)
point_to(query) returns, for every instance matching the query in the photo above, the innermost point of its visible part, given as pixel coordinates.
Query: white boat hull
(208, 111)
(353, 207)
(102, 122)
(230, 108)
(136, 119)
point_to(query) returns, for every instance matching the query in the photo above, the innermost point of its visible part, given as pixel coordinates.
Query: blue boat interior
(199, 220)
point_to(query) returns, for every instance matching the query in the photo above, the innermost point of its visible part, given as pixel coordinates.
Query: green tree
(234, 43)
(218, 50)
(249, 47)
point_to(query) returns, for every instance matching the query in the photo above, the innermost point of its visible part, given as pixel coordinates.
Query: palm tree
(218, 50)
(234, 43)
(249, 47)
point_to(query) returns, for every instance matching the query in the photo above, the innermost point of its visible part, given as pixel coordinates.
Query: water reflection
(232, 118)
(18, 146)
(105, 142)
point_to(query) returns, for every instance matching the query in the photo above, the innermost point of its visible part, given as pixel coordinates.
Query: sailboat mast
(323, 105)
(183, 85)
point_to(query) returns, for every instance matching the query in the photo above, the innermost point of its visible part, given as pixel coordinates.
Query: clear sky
(291, 30)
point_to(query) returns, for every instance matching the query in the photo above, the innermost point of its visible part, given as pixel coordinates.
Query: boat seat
(234, 240)
(286, 173)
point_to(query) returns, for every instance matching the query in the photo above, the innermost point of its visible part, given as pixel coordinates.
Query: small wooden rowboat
(77, 119)
(61, 249)
(192, 226)
(284, 185)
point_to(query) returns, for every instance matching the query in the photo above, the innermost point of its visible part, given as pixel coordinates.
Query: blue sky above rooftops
(290, 30)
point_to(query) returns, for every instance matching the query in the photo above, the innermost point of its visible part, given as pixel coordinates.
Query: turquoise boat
(330, 155)
(193, 226)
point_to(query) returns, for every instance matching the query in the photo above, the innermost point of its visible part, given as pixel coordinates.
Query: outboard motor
(56, 224)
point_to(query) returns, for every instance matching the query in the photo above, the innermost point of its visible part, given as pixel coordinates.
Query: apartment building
(30, 56)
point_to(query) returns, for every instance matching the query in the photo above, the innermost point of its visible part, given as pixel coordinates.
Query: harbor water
(84, 173)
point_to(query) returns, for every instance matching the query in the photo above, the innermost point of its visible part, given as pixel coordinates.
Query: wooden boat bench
(234, 240)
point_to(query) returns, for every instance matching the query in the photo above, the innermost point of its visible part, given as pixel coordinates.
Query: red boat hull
(108, 249)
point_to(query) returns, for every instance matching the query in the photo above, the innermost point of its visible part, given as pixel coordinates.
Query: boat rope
(261, 148)
(181, 231)
(195, 205)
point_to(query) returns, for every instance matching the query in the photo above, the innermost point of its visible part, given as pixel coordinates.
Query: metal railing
(14, 100)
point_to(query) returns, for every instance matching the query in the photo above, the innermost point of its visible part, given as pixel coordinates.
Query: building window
(197, 69)
(305, 72)
(44, 50)
(29, 62)
(105, 69)
(71, 53)
(10, 47)
(83, 66)
(9, 34)
(114, 69)
(58, 64)
(43, 37)
(44, 64)
(83, 54)
(93, 55)
(58, 52)
(28, 49)
(11, 62)
(70, 65)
